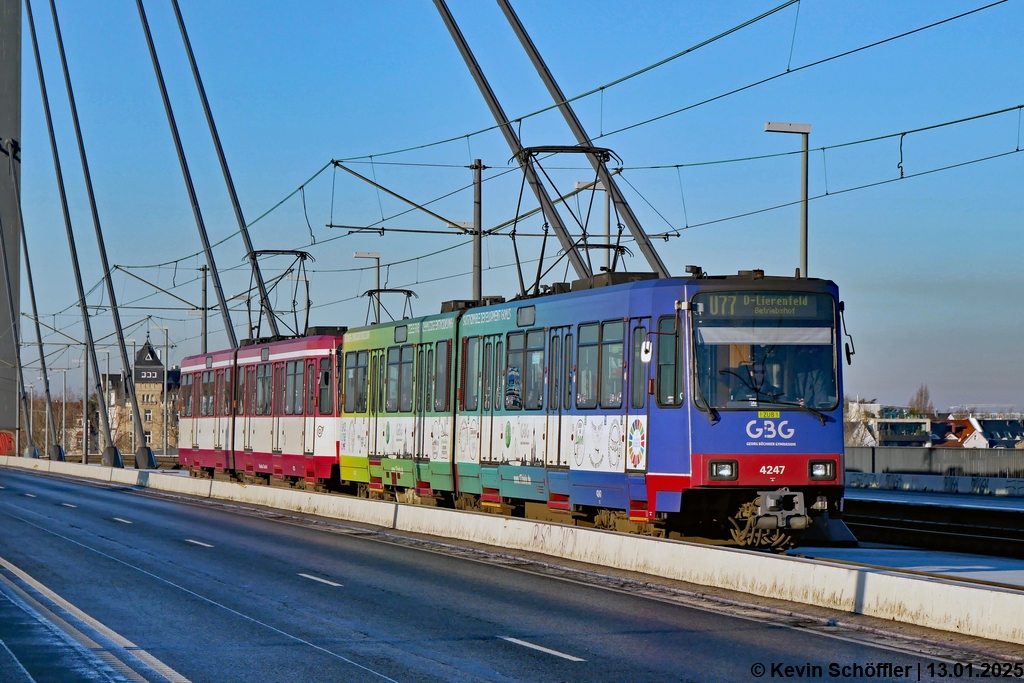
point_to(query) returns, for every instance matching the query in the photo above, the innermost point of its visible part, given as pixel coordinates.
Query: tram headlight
(723, 470)
(822, 469)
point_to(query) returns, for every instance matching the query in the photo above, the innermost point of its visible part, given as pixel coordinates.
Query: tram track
(996, 532)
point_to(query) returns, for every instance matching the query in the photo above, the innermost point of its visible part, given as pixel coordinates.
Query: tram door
(218, 409)
(492, 393)
(248, 400)
(558, 374)
(309, 421)
(635, 398)
(420, 378)
(278, 407)
(378, 368)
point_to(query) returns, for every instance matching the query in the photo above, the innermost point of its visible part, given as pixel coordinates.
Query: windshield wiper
(814, 411)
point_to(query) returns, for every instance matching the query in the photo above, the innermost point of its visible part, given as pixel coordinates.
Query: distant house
(1003, 433)
(963, 434)
(874, 424)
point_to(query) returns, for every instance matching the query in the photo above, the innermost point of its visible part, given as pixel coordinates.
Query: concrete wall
(10, 127)
(976, 462)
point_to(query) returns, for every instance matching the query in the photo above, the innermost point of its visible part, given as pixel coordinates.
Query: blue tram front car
(753, 440)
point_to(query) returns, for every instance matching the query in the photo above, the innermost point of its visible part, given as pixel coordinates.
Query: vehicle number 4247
(773, 469)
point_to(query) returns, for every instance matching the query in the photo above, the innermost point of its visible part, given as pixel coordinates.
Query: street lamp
(375, 255)
(804, 129)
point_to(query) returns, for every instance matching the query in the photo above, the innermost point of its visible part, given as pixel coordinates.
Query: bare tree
(921, 403)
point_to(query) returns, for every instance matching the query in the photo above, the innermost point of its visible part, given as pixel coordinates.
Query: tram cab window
(206, 394)
(533, 379)
(514, 372)
(442, 371)
(588, 366)
(279, 388)
(420, 384)
(471, 375)
(669, 369)
(355, 382)
(185, 409)
(428, 379)
(325, 400)
(611, 364)
(263, 389)
(638, 376)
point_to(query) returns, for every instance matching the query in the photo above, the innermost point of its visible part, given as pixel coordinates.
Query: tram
(706, 405)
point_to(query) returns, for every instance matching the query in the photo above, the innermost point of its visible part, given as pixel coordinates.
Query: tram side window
(568, 369)
(311, 387)
(587, 366)
(611, 364)
(441, 374)
(250, 390)
(355, 382)
(227, 391)
(554, 372)
(185, 410)
(513, 379)
(206, 394)
(326, 398)
(240, 392)
(420, 384)
(405, 380)
(279, 389)
(533, 382)
(488, 368)
(638, 382)
(669, 369)
(381, 369)
(293, 387)
(471, 375)
(263, 393)
(394, 361)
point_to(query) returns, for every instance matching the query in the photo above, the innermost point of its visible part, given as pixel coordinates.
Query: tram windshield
(765, 348)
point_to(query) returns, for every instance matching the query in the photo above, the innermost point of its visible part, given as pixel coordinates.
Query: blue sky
(929, 266)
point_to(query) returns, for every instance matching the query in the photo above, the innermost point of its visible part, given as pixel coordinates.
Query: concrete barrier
(986, 612)
(936, 483)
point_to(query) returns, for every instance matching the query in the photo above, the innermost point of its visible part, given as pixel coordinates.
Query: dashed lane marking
(69, 505)
(123, 521)
(31, 495)
(317, 578)
(539, 648)
(205, 545)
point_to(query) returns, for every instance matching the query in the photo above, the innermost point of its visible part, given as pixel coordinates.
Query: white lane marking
(317, 578)
(148, 659)
(74, 610)
(17, 662)
(69, 505)
(31, 495)
(205, 545)
(123, 521)
(3, 487)
(549, 651)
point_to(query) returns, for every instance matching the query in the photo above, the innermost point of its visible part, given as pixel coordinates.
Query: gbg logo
(769, 430)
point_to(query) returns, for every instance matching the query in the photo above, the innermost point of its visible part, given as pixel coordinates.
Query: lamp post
(375, 255)
(804, 130)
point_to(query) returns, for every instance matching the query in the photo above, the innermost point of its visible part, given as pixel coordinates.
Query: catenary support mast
(268, 309)
(550, 213)
(225, 313)
(144, 455)
(621, 206)
(89, 356)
